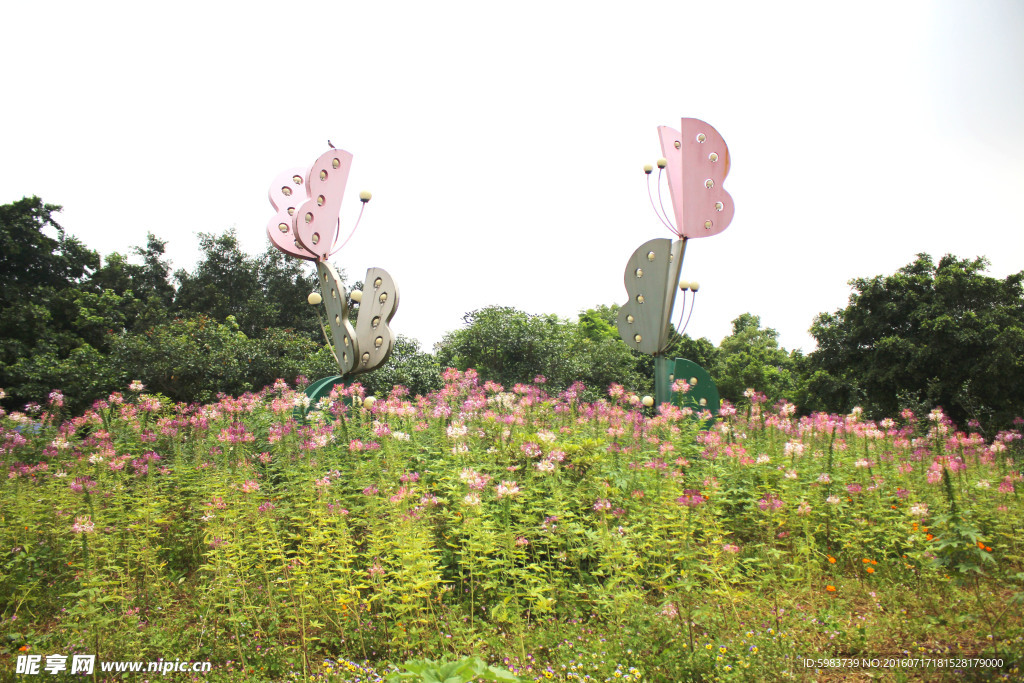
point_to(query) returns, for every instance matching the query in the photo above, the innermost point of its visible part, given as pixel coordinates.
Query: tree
(509, 346)
(636, 373)
(750, 357)
(417, 371)
(260, 292)
(196, 358)
(51, 328)
(940, 334)
(30, 259)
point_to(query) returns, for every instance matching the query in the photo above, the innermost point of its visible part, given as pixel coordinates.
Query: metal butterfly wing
(307, 226)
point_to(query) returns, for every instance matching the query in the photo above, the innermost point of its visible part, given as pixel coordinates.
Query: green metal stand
(663, 368)
(703, 393)
(316, 391)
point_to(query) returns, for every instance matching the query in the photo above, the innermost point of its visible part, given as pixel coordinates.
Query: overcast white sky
(504, 144)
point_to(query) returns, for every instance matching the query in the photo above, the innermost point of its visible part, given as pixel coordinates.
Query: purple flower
(83, 525)
(691, 498)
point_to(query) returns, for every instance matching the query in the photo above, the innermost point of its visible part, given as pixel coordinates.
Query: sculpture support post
(662, 385)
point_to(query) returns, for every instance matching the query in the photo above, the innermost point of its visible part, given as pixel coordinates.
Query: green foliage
(54, 330)
(30, 259)
(511, 347)
(937, 333)
(532, 532)
(198, 358)
(408, 366)
(146, 290)
(260, 292)
(462, 671)
(751, 357)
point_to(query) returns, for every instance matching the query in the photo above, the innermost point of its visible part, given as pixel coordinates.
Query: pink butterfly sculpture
(308, 202)
(307, 226)
(698, 161)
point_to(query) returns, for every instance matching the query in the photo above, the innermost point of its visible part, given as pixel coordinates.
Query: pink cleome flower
(507, 488)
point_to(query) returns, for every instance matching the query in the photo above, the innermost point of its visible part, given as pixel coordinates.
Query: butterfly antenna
(323, 328)
(692, 301)
(662, 204)
(651, 197)
(682, 312)
(364, 197)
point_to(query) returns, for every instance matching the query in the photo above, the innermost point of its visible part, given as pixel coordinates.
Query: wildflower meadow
(552, 538)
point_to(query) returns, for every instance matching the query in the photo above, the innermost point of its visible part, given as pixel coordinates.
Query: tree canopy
(942, 334)
(930, 334)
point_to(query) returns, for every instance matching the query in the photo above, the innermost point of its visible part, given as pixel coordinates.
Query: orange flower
(831, 559)
(866, 561)
(24, 648)
(871, 570)
(988, 549)
(928, 537)
(874, 561)
(830, 589)
(981, 546)
(893, 507)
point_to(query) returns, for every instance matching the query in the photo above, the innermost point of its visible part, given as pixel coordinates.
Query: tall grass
(564, 540)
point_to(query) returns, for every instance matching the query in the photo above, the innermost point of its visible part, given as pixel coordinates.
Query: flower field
(557, 539)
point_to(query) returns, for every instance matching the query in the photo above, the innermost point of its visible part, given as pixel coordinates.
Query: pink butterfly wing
(287, 193)
(698, 161)
(316, 219)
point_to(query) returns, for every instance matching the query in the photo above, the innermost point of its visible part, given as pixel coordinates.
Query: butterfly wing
(336, 301)
(380, 301)
(698, 161)
(316, 219)
(287, 193)
(650, 278)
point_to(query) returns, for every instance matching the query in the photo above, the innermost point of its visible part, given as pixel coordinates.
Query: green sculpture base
(703, 393)
(316, 391)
